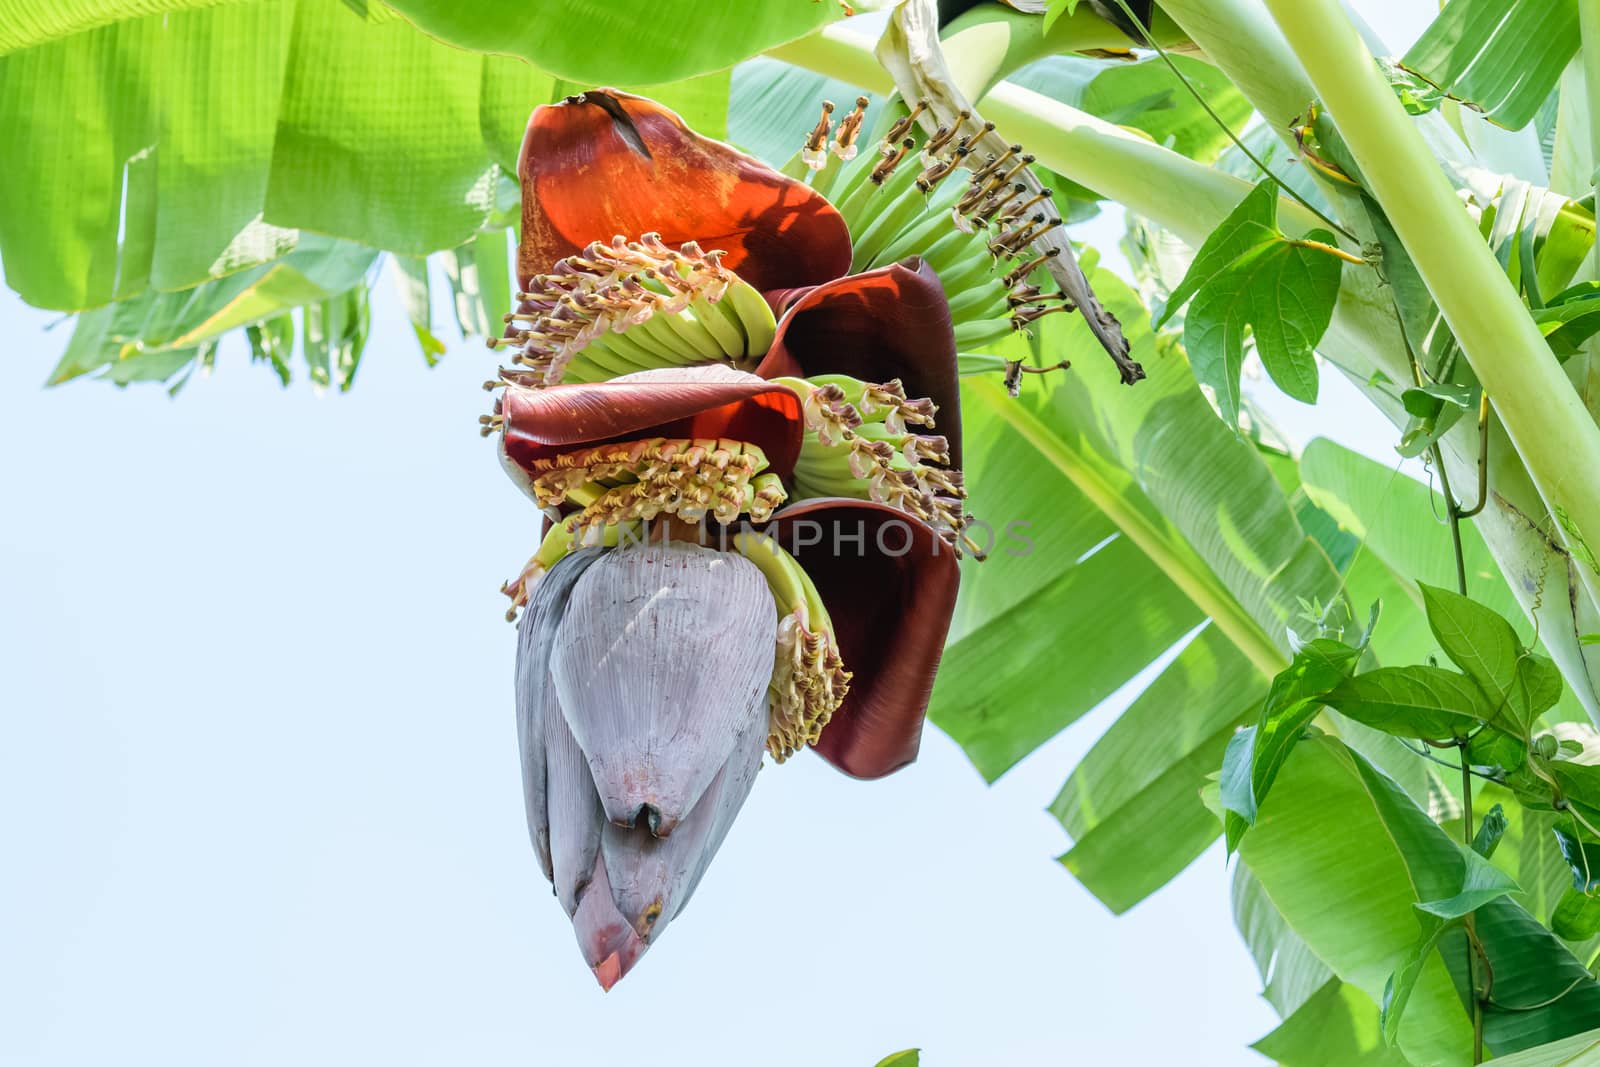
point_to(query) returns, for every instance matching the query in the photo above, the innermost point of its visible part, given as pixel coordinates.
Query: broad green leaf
(378, 135)
(597, 42)
(1132, 805)
(1345, 855)
(1576, 916)
(1337, 1027)
(1248, 276)
(1283, 294)
(1503, 56)
(1213, 489)
(1519, 684)
(1251, 226)
(1421, 701)
(1032, 598)
(1070, 465)
(1541, 992)
(1291, 974)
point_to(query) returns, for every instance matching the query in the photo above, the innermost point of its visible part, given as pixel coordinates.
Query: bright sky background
(259, 797)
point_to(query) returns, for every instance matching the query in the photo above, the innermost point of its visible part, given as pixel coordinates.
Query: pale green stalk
(1543, 415)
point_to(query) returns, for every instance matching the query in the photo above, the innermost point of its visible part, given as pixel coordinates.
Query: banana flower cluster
(735, 401)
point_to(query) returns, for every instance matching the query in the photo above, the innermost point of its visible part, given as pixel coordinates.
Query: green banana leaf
(1502, 56)
(160, 146)
(1146, 518)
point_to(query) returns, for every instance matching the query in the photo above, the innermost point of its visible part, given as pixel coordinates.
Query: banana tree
(1297, 197)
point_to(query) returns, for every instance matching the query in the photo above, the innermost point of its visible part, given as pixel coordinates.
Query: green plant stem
(1176, 559)
(1471, 923)
(1541, 412)
(1330, 250)
(1453, 509)
(1467, 828)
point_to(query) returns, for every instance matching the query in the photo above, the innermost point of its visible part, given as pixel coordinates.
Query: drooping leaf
(209, 138)
(1291, 974)
(1503, 56)
(1132, 804)
(411, 273)
(151, 327)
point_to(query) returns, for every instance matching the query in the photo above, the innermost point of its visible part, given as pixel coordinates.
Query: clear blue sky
(259, 798)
